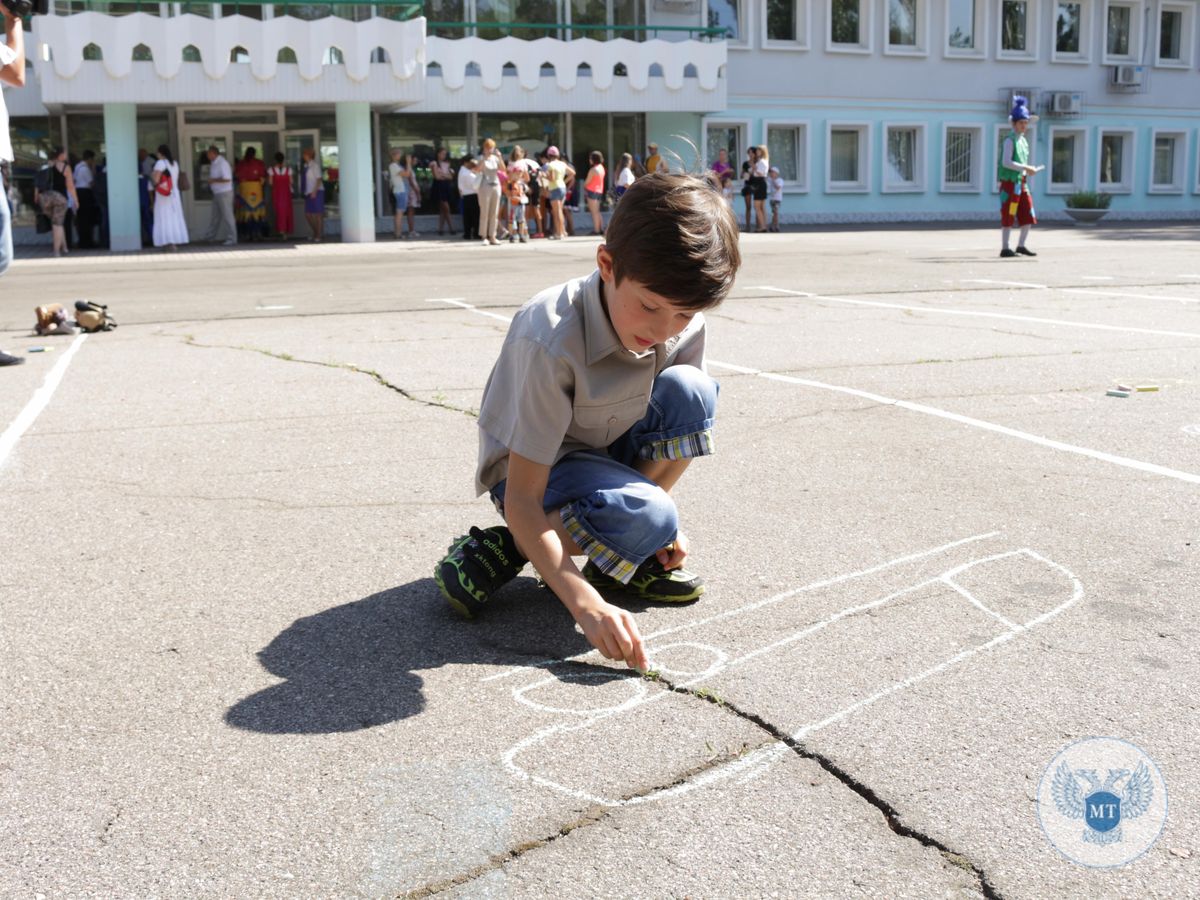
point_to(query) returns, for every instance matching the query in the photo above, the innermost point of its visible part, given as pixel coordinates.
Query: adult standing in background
(557, 173)
(721, 169)
(593, 187)
(654, 162)
(54, 200)
(251, 176)
(170, 230)
(758, 187)
(220, 183)
(442, 192)
(747, 188)
(12, 72)
(468, 189)
(625, 176)
(489, 190)
(404, 192)
(145, 163)
(313, 186)
(86, 215)
(281, 196)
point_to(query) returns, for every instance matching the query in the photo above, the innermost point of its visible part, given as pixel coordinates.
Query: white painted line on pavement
(1023, 284)
(274, 307)
(1096, 277)
(1127, 462)
(1095, 293)
(38, 401)
(456, 301)
(947, 311)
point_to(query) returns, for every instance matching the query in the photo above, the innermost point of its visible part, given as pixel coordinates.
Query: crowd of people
(494, 197)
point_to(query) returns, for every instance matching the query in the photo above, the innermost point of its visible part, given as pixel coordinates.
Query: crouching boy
(596, 406)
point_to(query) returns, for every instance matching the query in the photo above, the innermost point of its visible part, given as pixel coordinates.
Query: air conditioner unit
(1066, 103)
(1130, 76)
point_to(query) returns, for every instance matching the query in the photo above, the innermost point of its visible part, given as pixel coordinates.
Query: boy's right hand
(613, 632)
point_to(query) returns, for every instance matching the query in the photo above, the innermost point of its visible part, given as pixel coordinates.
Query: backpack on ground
(92, 316)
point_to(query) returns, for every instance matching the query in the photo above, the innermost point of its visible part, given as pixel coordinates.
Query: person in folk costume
(1013, 171)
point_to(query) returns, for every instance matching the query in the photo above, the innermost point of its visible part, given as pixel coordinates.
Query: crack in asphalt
(349, 367)
(596, 814)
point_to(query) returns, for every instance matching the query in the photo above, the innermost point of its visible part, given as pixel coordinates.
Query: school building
(873, 110)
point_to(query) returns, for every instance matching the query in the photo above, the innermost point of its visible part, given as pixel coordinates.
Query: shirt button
(612, 420)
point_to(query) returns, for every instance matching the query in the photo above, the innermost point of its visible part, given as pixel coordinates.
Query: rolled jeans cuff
(686, 446)
(606, 559)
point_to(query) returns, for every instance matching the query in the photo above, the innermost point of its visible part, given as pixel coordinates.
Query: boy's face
(640, 317)
(1020, 125)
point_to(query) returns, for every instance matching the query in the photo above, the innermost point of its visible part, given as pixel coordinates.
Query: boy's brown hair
(676, 236)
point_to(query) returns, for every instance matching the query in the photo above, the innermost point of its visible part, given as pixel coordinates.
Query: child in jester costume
(1016, 205)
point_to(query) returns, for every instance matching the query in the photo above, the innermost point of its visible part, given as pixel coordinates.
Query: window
(847, 158)
(849, 26)
(1175, 35)
(727, 14)
(962, 168)
(1170, 161)
(1067, 163)
(787, 143)
(964, 28)
(1122, 34)
(1115, 175)
(1018, 29)
(906, 27)
(1072, 31)
(729, 136)
(786, 24)
(904, 158)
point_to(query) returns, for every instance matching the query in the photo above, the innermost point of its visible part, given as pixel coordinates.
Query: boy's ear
(604, 262)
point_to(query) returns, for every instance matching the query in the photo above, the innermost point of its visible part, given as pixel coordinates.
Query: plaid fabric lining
(686, 446)
(607, 561)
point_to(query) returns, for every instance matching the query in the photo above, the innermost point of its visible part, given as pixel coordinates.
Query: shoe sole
(459, 607)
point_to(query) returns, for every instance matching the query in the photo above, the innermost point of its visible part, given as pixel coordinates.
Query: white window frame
(1033, 16)
(1187, 40)
(744, 8)
(1135, 33)
(866, 31)
(803, 27)
(981, 36)
(1182, 160)
(920, 170)
(1125, 186)
(976, 184)
(863, 184)
(804, 146)
(1084, 56)
(998, 134)
(744, 128)
(1079, 175)
(921, 47)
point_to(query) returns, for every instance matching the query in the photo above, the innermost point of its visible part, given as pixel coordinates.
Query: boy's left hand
(673, 555)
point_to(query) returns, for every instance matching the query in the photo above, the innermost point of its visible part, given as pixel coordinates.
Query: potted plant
(1087, 207)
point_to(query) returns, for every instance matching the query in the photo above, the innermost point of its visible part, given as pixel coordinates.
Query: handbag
(43, 223)
(164, 185)
(185, 183)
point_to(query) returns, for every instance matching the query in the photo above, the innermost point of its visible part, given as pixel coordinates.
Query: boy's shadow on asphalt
(355, 666)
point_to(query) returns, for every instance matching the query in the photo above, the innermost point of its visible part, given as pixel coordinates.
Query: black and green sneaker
(651, 582)
(479, 563)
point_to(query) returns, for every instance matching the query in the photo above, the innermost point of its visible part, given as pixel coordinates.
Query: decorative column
(120, 142)
(355, 183)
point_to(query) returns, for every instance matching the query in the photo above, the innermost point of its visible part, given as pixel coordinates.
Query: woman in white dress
(170, 229)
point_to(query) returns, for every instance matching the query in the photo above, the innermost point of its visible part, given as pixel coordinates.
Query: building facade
(873, 110)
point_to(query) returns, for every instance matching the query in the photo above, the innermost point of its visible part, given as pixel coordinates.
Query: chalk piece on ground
(1124, 387)
(41, 349)
(1144, 388)
(1118, 393)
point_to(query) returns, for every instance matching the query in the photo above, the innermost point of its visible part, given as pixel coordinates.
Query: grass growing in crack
(710, 696)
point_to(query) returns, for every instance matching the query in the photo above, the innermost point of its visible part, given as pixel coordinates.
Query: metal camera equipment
(23, 8)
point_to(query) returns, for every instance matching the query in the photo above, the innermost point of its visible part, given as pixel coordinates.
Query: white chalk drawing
(641, 692)
(1191, 429)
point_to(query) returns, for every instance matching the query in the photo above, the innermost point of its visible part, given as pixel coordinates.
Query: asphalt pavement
(937, 554)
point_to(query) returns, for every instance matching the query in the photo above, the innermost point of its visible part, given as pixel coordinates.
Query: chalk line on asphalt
(949, 311)
(457, 301)
(38, 401)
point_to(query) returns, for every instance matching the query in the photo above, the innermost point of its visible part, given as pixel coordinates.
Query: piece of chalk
(41, 349)
(1147, 387)
(1117, 393)
(1124, 387)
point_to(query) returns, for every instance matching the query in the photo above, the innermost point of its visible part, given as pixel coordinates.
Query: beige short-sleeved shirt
(563, 381)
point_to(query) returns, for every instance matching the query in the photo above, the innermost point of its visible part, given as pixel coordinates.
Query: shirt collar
(600, 338)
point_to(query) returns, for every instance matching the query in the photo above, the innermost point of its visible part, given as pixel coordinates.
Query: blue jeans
(618, 517)
(6, 240)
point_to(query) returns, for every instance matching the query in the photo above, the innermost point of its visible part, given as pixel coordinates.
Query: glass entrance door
(197, 203)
